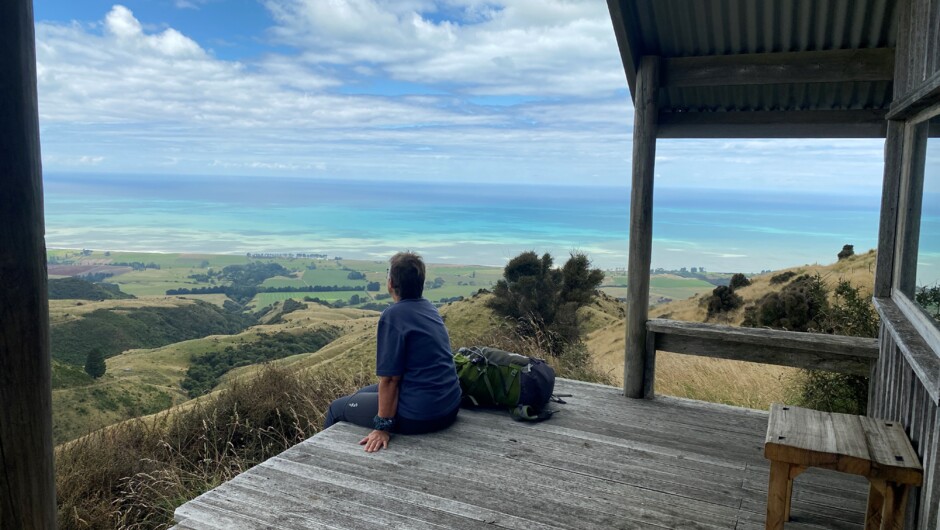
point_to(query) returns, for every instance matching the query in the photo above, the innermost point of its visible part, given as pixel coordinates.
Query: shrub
(543, 301)
(929, 299)
(847, 251)
(722, 300)
(797, 307)
(739, 280)
(804, 305)
(783, 277)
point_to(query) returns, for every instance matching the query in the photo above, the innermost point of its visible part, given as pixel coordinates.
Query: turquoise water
(450, 223)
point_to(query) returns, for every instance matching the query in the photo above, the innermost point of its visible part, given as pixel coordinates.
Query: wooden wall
(898, 395)
(918, 47)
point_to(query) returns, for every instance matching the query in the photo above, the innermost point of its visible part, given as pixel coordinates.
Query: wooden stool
(799, 438)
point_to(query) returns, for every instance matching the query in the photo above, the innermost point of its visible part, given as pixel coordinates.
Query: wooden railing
(906, 388)
(815, 351)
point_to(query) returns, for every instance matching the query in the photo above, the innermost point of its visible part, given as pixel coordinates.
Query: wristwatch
(382, 424)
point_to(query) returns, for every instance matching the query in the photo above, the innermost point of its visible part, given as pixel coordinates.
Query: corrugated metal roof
(683, 28)
(695, 28)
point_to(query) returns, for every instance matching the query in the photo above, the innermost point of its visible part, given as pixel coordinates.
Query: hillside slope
(146, 381)
(718, 380)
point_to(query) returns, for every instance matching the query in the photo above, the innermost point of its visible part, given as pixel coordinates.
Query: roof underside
(797, 67)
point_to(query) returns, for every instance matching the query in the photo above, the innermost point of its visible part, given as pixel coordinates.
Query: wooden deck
(601, 462)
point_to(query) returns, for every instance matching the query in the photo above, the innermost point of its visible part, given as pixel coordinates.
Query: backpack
(495, 378)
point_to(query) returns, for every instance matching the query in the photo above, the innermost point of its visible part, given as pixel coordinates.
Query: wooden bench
(799, 438)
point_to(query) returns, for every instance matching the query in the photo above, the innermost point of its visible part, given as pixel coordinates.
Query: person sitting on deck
(418, 391)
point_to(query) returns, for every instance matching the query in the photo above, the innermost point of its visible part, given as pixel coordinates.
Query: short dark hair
(406, 271)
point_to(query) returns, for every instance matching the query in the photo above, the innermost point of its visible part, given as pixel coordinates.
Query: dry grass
(133, 475)
(719, 380)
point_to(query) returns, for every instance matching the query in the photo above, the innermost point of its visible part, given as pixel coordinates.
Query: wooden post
(27, 485)
(890, 202)
(641, 227)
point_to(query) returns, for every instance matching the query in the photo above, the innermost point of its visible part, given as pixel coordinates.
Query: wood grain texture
(890, 191)
(641, 225)
(774, 124)
(910, 207)
(852, 355)
(876, 449)
(830, 66)
(917, 356)
(601, 462)
(27, 488)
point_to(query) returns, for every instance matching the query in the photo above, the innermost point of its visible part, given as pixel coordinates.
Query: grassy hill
(718, 380)
(148, 380)
(115, 326)
(79, 289)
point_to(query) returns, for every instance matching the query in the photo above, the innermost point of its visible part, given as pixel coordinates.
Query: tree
(373, 286)
(354, 299)
(543, 300)
(94, 363)
(847, 250)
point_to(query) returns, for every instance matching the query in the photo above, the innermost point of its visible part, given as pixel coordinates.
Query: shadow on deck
(602, 462)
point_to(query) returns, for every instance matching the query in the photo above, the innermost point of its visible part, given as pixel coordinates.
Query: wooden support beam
(641, 228)
(926, 95)
(910, 206)
(27, 485)
(884, 268)
(832, 66)
(813, 351)
(774, 124)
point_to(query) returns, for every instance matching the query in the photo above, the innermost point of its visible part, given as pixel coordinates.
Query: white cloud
(531, 47)
(158, 99)
(528, 91)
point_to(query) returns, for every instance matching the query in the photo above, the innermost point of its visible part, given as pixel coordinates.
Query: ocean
(722, 231)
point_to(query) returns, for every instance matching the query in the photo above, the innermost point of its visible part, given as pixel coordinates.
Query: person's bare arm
(388, 406)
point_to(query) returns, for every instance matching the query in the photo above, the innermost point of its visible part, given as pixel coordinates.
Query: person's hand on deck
(375, 441)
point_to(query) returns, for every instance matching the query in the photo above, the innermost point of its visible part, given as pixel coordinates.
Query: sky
(520, 91)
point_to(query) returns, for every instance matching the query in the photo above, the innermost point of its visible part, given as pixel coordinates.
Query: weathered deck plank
(602, 462)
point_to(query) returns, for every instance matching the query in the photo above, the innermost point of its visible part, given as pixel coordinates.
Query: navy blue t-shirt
(413, 343)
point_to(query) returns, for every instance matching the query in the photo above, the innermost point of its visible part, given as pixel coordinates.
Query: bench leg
(778, 495)
(895, 501)
(876, 503)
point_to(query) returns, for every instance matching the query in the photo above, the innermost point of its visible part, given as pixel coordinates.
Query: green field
(281, 281)
(266, 299)
(323, 276)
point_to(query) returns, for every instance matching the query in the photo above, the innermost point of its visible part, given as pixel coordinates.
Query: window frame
(907, 236)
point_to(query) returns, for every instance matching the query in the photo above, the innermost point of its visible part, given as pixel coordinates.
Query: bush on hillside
(929, 299)
(783, 277)
(797, 307)
(738, 280)
(543, 301)
(135, 474)
(847, 251)
(722, 300)
(805, 305)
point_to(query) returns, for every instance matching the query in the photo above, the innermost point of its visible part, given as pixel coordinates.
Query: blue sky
(525, 91)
